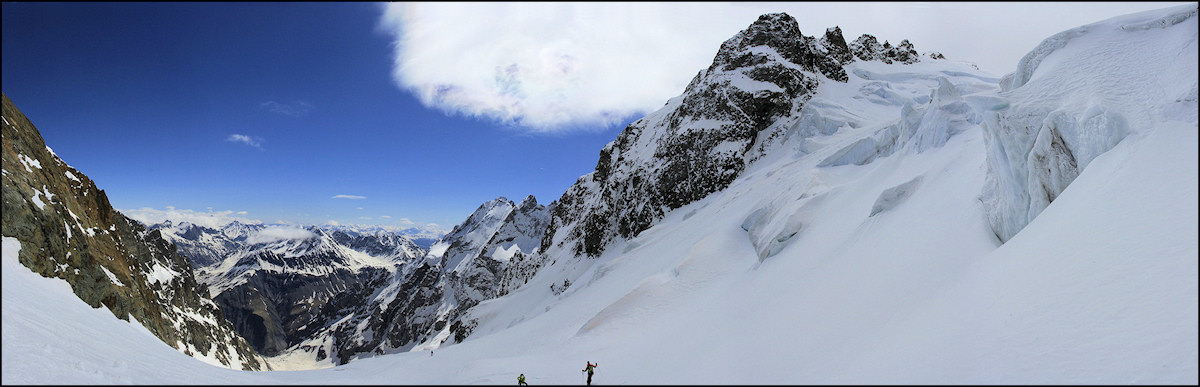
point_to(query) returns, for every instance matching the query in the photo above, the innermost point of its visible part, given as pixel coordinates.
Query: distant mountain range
(272, 280)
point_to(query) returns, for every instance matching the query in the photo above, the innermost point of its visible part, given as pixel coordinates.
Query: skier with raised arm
(591, 368)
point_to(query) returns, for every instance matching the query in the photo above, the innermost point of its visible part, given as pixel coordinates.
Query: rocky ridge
(69, 230)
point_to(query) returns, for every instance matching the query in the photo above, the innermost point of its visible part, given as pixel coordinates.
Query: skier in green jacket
(521, 380)
(591, 368)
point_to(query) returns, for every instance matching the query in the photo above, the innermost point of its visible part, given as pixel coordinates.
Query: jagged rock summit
(753, 92)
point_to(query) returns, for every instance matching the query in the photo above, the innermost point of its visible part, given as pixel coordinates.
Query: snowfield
(863, 254)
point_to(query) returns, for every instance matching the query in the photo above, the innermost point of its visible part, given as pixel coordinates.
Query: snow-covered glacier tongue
(837, 144)
(1077, 95)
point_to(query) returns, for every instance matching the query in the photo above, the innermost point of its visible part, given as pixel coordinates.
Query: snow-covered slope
(53, 337)
(855, 248)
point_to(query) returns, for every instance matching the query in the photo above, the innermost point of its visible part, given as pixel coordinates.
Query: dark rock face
(702, 140)
(835, 46)
(407, 315)
(780, 33)
(68, 230)
(272, 310)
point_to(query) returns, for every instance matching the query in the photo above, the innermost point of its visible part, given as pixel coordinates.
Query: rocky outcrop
(866, 47)
(74, 234)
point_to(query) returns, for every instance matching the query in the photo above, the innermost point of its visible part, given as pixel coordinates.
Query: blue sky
(143, 98)
(319, 112)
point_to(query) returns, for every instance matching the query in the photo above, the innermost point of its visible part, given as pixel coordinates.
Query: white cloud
(348, 197)
(294, 108)
(385, 216)
(553, 67)
(278, 233)
(547, 66)
(248, 140)
(210, 219)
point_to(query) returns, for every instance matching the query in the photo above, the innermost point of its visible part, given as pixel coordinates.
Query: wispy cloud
(210, 219)
(348, 197)
(294, 108)
(277, 233)
(244, 139)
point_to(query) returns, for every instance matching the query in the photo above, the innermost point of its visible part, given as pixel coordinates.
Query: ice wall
(1078, 95)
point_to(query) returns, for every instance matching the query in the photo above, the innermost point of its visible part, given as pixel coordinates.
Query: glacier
(1077, 95)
